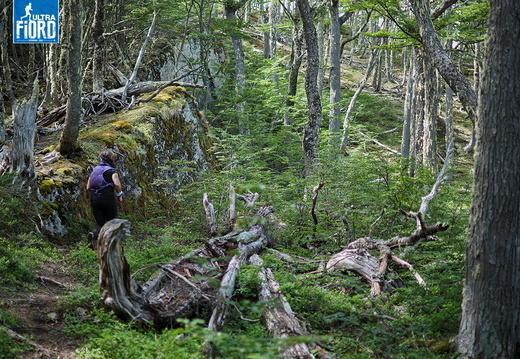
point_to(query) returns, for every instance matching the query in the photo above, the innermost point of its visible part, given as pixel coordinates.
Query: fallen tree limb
(180, 288)
(95, 103)
(281, 322)
(21, 338)
(356, 258)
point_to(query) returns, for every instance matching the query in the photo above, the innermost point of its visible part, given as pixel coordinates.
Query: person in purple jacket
(105, 189)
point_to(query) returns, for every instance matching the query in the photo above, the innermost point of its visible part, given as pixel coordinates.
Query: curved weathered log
(118, 290)
(356, 258)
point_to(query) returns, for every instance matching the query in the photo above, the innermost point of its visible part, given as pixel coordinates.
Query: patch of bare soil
(41, 322)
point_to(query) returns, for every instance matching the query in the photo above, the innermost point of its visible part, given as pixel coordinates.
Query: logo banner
(36, 21)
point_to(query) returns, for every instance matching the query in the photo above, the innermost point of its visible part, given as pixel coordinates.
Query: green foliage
(121, 341)
(9, 347)
(18, 209)
(13, 268)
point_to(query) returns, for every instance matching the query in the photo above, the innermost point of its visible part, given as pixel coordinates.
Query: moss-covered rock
(160, 146)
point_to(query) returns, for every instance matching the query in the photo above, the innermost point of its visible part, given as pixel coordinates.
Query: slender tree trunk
(311, 131)
(6, 67)
(240, 72)
(320, 32)
(407, 117)
(450, 132)
(65, 38)
(374, 56)
(444, 64)
(294, 69)
(335, 70)
(2, 117)
(267, 34)
(99, 46)
(274, 15)
(2, 108)
(419, 92)
(69, 137)
(431, 104)
(490, 323)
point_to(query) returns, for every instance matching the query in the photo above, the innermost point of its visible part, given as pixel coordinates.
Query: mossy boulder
(160, 147)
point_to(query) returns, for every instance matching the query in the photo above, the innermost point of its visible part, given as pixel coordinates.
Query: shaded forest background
(376, 141)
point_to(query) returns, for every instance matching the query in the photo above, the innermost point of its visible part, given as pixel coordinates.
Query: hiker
(104, 186)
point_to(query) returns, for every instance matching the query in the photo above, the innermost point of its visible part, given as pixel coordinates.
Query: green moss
(51, 206)
(48, 149)
(46, 186)
(64, 171)
(122, 125)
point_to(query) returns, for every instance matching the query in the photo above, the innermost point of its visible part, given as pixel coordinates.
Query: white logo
(34, 27)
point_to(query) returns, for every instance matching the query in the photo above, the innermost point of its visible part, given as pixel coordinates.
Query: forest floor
(40, 319)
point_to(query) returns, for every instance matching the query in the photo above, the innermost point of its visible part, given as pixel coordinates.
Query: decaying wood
(21, 157)
(210, 214)
(315, 193)
(281, 321)
(178, 290)
(139, 57)
(356, 258)
(95, 103)
(25, 340)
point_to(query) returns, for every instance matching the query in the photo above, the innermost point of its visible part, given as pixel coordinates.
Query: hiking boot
(92, 242)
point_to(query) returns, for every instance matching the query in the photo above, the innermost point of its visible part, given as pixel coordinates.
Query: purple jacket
(97, 182)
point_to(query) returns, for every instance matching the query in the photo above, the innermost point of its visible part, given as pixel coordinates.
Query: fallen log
(355, 256)
(280, 320)
(181, 288)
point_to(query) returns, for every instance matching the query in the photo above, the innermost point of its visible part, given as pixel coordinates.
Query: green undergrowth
(364, 194)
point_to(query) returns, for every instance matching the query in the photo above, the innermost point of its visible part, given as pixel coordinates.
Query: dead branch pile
(96, 103)
(357, 258)
(181, 288)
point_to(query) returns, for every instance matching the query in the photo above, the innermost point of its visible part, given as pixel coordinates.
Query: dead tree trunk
(280, 320)
(21, 159)
(356, 257)
(174, 292)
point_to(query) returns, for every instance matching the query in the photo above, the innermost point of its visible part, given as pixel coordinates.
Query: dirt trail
(40, 318)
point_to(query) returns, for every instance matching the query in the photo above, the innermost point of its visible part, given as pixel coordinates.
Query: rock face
(160, 146)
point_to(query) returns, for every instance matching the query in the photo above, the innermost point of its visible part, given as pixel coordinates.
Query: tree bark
(450, 131)
(6, 67)
(274, 16)
(99, 46)
(490, 323)
(431, 104)
(22, 154)
(69, 136)
(240, 73)
(2, 108)
(311, 131)
(294, 69)
(444, 64)
(280, 320)
(335, 70)
(407, 114)
(418, 106)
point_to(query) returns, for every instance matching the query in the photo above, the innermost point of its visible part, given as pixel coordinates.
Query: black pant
(104, 208)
